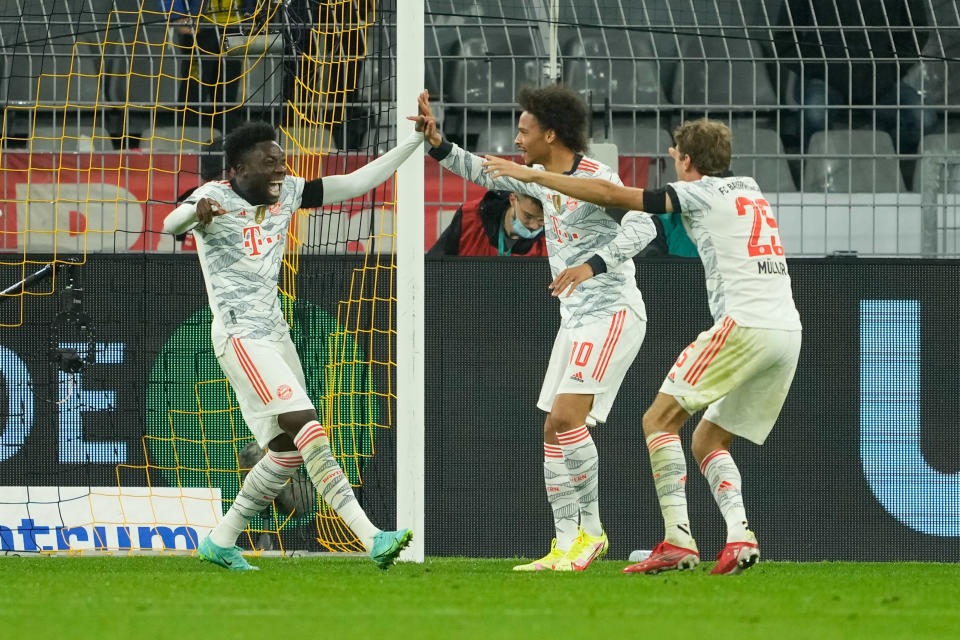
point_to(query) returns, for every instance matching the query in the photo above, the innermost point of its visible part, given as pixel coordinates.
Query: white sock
(259, 488)
(561, 495)
(670, 477)
(583, 465)
(721, 472)
(331, 483)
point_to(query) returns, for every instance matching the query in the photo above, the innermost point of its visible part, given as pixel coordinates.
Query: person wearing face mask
(498, 224)
(240, 226)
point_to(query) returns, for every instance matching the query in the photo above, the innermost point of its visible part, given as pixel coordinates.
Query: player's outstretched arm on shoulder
(502, 168)
(595, 190)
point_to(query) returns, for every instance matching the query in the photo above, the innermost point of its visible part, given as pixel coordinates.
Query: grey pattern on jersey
(575, 231)
(754, 289)
(241, 259)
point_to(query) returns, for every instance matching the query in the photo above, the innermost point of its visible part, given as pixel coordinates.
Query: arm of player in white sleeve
(181, 219)
(470, 166)
(359, 182)
(636, 231)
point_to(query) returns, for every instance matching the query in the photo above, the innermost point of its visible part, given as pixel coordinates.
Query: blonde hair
(707, 142)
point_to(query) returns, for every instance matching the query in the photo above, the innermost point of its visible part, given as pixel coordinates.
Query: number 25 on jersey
(762, 218)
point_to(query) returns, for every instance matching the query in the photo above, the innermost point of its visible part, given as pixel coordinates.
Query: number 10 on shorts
(580, 354)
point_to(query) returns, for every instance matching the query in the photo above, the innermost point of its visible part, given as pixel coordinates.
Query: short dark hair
(535, 201)
(559, 108)
(245, 137)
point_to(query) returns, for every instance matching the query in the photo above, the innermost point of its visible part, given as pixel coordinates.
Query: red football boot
(666, 557)
(737, 557)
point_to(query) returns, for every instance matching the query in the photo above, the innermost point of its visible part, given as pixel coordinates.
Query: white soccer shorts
(593, 359)
(741, 373)
(267, 378)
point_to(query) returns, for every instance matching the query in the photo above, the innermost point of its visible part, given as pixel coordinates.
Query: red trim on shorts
(251, 370)
(716, 343)
(308, 434)
(613, 335)
(661, 441)
(574, 436)
(710, 458)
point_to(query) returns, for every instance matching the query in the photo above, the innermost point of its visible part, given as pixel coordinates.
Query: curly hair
(559, 108)
(245, 137)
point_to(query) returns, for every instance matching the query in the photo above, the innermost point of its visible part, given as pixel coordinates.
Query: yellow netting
(113, 135)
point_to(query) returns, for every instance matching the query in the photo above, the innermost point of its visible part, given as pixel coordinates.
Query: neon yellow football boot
(546, 563)
(585, 550)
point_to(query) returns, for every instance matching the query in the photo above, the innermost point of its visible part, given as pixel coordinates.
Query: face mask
(522, 231)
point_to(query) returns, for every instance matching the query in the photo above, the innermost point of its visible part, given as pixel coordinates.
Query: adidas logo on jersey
(578, 376)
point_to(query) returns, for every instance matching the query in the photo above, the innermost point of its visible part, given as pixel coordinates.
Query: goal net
(121, 433)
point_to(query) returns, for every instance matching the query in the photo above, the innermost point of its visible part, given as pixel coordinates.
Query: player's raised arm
(337, 188)
(595, 190)
(462, 162)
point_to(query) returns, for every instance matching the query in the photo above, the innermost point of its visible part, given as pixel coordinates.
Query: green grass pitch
(350, 599)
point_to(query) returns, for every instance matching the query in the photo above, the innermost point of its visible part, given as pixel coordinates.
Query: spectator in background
(678, 243)
(209, 89)
(857, 66)
(498, 224)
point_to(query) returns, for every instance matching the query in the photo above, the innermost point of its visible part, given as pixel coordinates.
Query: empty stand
(855, 161)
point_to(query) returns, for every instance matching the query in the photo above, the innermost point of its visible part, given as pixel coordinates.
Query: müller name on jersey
(772, 267)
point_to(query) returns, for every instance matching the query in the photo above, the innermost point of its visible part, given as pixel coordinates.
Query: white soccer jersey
(575, 231)
(739, 243)
(240, 254)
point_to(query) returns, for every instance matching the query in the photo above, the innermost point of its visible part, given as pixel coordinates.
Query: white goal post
(409, 254)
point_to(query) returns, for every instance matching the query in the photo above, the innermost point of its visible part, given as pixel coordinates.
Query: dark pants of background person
(215, 97)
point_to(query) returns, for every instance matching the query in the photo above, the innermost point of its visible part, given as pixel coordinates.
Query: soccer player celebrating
(603, 320)
(741, 368)
(241, 227)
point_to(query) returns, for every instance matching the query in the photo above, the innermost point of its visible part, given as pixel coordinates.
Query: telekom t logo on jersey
(252, 239)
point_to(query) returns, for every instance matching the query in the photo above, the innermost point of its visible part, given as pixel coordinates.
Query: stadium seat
(854, 161)
(490, 63)
(176, 139)
(725, 72)
(498, 137)
(523, 48)
(587, 69)
(142, 73)
(644, 137)
(54, 75)
(758, 152)
(72, 139)
(649, 71)
(439, 42)
(262, 80)
(378, 72)
(939, 164)
(379, 139)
